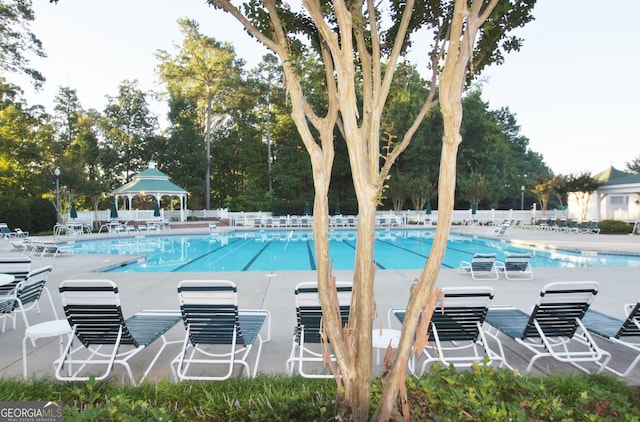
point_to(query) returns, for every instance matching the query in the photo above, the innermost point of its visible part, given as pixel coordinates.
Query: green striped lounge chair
(29, 291)
(554, 328)
(456, 333)
(18, 267)
(516, 267)
(6, 232)
(306, 356)
(481, 267)
(93, 310)
(625, 333)
(219, 336)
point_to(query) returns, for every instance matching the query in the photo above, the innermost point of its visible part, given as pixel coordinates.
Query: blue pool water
(294, 250)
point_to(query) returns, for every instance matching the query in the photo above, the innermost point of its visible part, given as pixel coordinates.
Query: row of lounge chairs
(293, 221)
(282, 221)
(560, 326)
(465, 328)
(71, 229)
(34, 246)
(487, 267)
(117, 227)
(572, 227)
(6, 232)
(217, 332)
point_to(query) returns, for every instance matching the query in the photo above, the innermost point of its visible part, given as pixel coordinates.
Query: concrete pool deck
(275, 292)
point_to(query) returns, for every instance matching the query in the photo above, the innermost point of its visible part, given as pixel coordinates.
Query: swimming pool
(288, 250)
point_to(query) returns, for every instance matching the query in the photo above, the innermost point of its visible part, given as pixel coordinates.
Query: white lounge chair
(5, 231)
(554, 328)
(307, 345)
(625, 333)
(516, 267)
(456, 332)
(500, 230)
(30, 290)
(481, 267)
(218, 333)
(93, 310)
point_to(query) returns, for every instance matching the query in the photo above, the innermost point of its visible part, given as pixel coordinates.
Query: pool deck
(275, 292)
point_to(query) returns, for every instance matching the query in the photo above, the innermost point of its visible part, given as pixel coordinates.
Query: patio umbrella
(114, 211)
(474, 207)
(307, 208)
(156, 209)
(428, 209)
(338, 211)
(73, 214)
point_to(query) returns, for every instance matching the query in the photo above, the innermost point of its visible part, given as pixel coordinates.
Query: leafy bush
(481, 393)
(615, 226)
(484, 393)
(34, 215)
(15, 212)
(43, 215)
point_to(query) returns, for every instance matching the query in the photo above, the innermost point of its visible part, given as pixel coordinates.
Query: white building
(617, 199)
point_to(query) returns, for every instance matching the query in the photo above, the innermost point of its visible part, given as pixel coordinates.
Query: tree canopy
(17, 41)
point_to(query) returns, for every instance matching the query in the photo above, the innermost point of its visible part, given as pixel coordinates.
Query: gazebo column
(599, 200)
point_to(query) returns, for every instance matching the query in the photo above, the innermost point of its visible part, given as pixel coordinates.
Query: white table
(6, 279)
(54, 328)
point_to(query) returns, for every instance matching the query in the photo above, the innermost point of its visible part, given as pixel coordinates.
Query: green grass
(482, 393)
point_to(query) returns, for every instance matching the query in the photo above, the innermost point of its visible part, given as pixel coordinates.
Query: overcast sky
(572, 87)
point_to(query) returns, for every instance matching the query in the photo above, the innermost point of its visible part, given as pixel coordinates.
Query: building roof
(150, 182)
(610, 174)
(629, 179)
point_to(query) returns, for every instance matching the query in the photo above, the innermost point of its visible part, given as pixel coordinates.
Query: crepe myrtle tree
(543, 189)
(582, 186)
(360, 57)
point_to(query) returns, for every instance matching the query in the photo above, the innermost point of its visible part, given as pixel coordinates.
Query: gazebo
(152, 182)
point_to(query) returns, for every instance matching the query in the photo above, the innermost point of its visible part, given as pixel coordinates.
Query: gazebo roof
(150, 182)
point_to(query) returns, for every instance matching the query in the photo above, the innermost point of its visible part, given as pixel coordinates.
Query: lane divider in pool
(240, 242)
(443, 264)
(353, 246)
(312, 261)
(246, 267)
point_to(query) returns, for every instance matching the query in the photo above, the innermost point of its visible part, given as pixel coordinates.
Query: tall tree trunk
(420, 292)
(464, 27)
(358, 335)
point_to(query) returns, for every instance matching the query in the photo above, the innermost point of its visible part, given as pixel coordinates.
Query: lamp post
(57, 173)
(522, 198)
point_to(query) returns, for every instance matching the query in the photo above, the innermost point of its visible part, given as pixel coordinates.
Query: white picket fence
(483, 217)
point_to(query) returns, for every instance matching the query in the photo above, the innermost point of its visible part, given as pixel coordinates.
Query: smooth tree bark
(464, 26)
